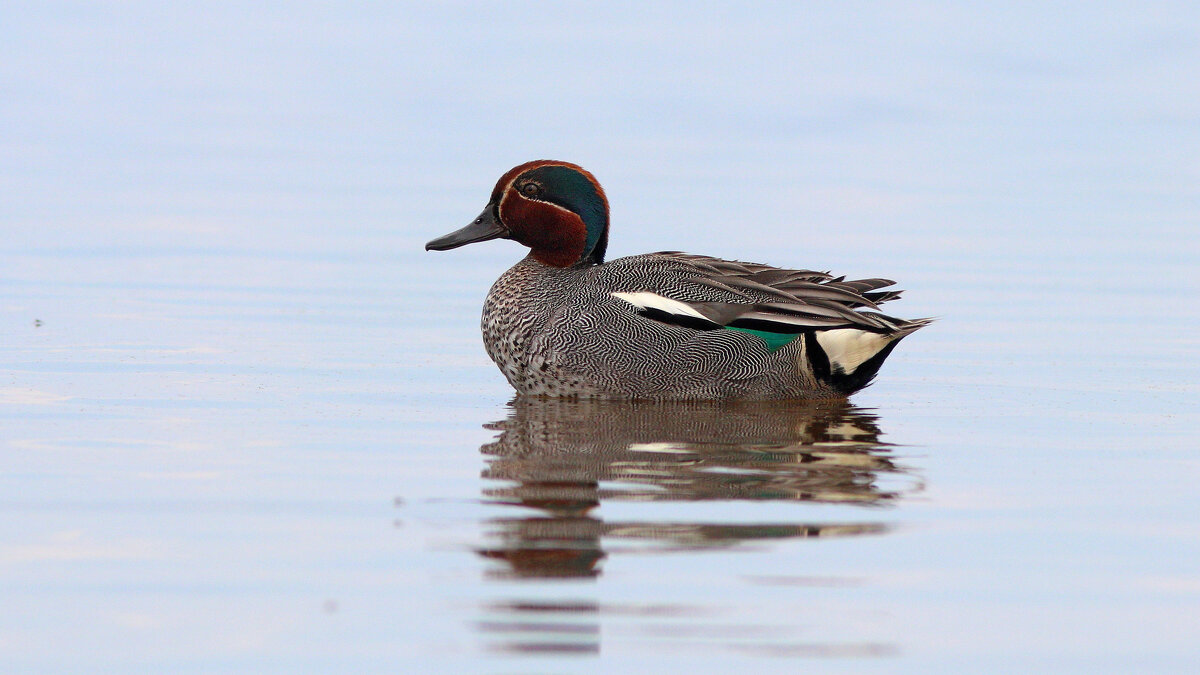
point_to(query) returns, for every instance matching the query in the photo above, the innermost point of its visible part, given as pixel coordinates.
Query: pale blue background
(216, 210)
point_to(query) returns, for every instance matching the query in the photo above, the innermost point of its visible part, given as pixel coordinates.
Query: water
(248, 426)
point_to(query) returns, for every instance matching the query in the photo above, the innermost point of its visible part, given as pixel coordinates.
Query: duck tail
(847, 359)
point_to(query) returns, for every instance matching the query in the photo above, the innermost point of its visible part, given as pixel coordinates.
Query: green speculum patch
(775, 341)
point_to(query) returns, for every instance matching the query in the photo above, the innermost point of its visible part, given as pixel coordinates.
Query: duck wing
(707, 293)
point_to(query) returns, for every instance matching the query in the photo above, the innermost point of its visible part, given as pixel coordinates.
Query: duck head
(557, 209)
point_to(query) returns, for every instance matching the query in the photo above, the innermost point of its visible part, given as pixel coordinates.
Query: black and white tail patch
(847, 358)
(849, 348)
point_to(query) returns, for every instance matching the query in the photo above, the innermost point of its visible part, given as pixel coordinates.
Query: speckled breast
(516, 314)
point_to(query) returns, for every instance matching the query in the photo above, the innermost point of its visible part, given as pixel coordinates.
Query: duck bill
(483, 228)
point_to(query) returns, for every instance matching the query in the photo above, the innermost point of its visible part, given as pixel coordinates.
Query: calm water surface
(247, 424)
(274, 471)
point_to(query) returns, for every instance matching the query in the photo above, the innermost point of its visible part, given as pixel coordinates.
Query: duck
(564, 322)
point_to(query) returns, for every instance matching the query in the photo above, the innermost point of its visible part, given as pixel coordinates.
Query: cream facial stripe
(508, 189)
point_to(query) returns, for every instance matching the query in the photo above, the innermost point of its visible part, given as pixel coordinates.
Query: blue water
(248, 424)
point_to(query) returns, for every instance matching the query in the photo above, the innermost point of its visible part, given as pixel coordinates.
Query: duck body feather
(595, 330)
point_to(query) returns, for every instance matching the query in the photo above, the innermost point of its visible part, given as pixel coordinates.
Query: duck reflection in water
(563, 458)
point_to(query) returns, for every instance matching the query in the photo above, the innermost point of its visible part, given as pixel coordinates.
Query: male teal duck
(669, 325)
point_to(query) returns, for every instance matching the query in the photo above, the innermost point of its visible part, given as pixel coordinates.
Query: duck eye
(531, 189)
